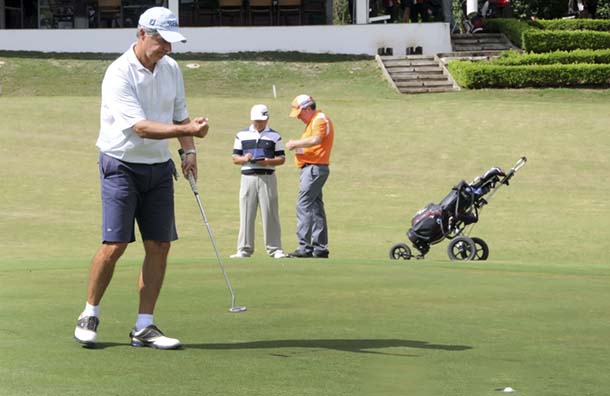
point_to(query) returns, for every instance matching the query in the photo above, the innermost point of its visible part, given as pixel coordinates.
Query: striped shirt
(265, 144)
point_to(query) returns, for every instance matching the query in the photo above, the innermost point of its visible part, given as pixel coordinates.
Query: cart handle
(520, 164)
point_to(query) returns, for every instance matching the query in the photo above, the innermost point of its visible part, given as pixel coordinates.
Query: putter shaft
(195, 190)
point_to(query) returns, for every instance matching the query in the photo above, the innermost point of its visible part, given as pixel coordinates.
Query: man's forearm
(305, 142)
(157, 130)
(186, 142)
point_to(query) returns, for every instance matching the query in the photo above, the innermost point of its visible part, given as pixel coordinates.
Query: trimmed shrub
(600, 25)
(485, 75)
(562, 57)
(553, 40)
(562, 53)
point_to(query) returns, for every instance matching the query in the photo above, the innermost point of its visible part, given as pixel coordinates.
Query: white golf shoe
(86, 330)
(239, 255)
(152, 337)
(278, 254)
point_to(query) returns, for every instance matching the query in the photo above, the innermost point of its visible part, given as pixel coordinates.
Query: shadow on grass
(353, 345)
(104, 345)
(269, 56)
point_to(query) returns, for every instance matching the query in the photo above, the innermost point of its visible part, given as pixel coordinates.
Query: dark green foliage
(488, 75)
(547, 9)
(603, 9)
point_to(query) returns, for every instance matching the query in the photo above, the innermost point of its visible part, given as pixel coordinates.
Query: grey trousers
(255, 191)
(312, 230)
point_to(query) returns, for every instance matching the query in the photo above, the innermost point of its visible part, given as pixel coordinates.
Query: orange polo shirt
(319, 154)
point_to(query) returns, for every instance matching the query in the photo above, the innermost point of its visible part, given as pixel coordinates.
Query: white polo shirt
(132, 93)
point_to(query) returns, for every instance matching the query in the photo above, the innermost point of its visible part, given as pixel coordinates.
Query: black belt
(306, 165)
(257, 172)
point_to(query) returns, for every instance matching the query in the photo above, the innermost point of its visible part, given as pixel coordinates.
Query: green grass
(533, 317)
(27, 74)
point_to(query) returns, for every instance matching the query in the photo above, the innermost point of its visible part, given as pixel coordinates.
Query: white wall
(344, 39)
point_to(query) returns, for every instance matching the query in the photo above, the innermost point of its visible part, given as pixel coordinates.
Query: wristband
(187, 152)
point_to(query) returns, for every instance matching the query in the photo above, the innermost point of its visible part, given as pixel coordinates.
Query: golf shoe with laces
(152, 337)
(86, 330)
(278, 254)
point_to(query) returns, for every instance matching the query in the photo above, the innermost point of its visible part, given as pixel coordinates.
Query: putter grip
(191, 178)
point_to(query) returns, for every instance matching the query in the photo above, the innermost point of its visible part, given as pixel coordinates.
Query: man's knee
(157, 247)
(112, 251)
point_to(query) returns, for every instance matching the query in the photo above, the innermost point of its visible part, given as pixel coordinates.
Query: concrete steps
(424, 73)
(477, 47)
(416, 73)
(480, 42)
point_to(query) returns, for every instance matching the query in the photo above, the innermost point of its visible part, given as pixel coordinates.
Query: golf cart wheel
(461, 249)
(482, 250)
(400, 251)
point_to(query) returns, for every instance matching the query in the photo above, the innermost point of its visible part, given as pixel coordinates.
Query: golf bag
(448, 218)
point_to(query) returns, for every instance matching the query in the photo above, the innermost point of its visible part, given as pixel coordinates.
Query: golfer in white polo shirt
(143, 106)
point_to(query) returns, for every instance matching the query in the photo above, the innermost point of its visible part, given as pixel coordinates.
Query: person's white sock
(91, 310)
(144, 320)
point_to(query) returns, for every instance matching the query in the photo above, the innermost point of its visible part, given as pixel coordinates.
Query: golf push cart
(451, 218)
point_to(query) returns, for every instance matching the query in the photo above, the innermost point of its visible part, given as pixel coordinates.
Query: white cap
(299, 103)
(259, 112)
(163, 21)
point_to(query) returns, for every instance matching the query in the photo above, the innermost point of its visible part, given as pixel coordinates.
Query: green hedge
(557, 57)
(527, 36)
(600, 25)
(562, 53)
(554, 40)
(486, 75)
(514, 29)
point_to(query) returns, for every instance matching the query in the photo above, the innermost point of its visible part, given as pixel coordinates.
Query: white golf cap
(259, 112)
(163, 21)
(299, 103)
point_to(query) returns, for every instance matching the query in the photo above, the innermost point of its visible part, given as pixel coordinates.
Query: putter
(234, 308)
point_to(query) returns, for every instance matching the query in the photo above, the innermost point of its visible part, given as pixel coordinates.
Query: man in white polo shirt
(143, 106)
(258, 149)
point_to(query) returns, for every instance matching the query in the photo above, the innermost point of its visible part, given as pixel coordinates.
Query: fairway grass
(391, 158)
(313, 328)
(534, 317)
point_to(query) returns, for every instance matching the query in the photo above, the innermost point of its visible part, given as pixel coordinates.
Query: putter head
(237, 309)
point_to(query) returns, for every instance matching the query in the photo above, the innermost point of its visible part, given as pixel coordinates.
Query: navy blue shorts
(137, 192)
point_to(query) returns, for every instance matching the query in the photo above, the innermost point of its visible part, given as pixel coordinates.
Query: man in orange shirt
(312, 156)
